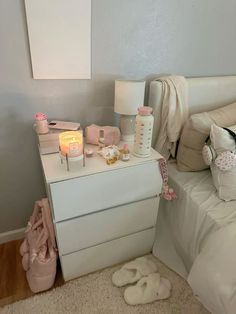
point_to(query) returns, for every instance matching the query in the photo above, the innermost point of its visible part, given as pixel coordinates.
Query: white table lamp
(129, 96)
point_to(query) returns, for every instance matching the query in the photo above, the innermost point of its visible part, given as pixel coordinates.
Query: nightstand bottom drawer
(107, 254)
(107, 225)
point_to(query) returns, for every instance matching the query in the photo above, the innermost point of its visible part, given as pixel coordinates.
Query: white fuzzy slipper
(133, 271)
(148, 289)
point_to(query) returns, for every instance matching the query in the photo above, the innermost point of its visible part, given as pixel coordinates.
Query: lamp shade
(129, 96)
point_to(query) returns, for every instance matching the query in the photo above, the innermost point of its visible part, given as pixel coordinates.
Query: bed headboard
(206, 93)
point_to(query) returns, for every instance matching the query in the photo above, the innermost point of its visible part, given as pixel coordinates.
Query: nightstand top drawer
(84, 195)
(54, 171)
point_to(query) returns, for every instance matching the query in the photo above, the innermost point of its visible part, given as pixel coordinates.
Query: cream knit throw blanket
(174, 113)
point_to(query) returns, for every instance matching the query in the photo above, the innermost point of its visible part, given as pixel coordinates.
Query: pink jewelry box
(111, 134)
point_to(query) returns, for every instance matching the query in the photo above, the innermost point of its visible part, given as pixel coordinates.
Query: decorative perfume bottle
(143, 132)
(124, 153)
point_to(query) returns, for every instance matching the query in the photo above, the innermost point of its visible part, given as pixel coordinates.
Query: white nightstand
(103, 215)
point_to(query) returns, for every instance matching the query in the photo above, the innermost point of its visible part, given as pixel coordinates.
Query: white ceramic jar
(143, 132)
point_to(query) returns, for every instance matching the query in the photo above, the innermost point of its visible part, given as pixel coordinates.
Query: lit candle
(71, 143)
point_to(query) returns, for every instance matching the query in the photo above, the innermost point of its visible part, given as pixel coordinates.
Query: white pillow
(224, 181)
(195, 132)
(221, 140)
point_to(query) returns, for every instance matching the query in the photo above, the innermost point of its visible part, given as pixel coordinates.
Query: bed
(191, 231)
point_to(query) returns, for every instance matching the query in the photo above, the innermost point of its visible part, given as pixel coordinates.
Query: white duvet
(213, 274)
(196, 237)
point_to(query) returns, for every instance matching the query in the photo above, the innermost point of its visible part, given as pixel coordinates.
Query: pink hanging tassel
(167, 192)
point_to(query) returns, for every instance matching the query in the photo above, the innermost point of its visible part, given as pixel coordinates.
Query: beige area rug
(95, 294)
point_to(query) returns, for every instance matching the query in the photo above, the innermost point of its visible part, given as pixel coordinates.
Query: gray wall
(133, 39)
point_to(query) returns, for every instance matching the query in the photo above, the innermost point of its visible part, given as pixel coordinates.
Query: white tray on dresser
(103, 214)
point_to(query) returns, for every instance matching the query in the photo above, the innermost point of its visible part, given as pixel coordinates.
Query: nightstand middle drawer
(97, 228)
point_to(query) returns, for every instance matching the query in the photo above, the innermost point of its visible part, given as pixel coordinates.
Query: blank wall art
(60, 38)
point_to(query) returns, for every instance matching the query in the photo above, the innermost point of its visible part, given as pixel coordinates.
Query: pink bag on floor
(38, 250)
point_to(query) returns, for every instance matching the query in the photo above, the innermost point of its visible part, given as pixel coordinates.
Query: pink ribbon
(167, 192)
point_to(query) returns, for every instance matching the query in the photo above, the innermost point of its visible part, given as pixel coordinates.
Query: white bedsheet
(184, 225)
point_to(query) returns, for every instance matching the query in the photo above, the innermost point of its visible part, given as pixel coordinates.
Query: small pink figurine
(41, 123)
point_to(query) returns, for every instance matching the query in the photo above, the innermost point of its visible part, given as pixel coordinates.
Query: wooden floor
(13, 283)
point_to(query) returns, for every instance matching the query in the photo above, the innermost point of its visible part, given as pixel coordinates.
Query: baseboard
(11, 235)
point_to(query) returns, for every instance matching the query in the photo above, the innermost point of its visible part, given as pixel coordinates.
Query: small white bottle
(124, 153)
(143, 132)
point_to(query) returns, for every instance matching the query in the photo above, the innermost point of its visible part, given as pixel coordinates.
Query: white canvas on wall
(60, 38)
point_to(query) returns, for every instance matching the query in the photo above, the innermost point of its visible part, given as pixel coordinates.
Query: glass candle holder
(71, 145)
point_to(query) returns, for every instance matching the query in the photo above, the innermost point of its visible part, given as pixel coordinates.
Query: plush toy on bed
(221, 156)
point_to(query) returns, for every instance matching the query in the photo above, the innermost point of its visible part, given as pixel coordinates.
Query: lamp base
(127, 138)
(127, 128)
